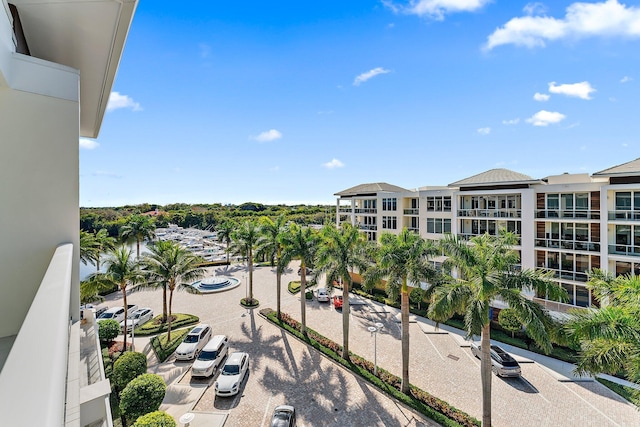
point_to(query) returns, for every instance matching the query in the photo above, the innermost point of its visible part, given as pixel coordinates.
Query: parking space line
(434, 346)
(585, 401)
(266, 411)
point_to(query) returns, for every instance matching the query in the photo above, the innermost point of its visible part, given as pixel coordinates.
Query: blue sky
(291, 102)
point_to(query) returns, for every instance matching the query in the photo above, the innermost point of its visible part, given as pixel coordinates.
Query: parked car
(337, 301)
(97, 310)
(233, 373)
(283, 416)
(131, 310)
(114, 313)
(502, 363)
(210, 357)
(193, 342)
(138, 318)
(323, 295)
(308, 271)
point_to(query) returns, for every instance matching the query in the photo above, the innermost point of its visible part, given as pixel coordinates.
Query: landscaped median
(156, 326)
(164, 348)
(432, 407)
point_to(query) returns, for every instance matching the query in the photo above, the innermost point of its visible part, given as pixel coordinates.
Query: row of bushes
(156, 326)
(294, 286)
(432, 407)
(164, 348)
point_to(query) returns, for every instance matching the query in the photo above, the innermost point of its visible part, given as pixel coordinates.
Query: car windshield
(106, 315)
(231, 370)
(208, 355)
(191, 338)
(279, 419)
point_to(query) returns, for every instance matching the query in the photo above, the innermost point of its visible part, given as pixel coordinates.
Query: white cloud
(580, 90)
(484, 131)
(545, 118)
(535, 8)
(368, 75)
(511, 122)
(436, 9)
(602, 19)
(88, 144)
(625, 79)
(541, 97)
(267, 136)
(117, 101)
(334, 163)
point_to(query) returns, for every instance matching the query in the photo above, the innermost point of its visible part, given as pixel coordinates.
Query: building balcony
(567, 214)
(490, 213)
(628, 250)
(468, 236)
(412, 211)
(368, 227)
(568, 275)
(366, 210)
(344, 209)
(570, 245)
(624, 215)
(414, 229)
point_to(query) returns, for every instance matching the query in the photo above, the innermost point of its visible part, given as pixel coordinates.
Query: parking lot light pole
(374, 331)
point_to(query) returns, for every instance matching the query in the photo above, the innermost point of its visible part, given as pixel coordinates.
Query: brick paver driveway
(283, 370)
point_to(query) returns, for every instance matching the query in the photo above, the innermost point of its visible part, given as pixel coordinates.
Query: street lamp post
(374, 331)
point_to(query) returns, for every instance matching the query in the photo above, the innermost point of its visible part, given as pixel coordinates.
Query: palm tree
(402, 259)
(245, 239)
(122, 271)
(486, 270)
(225, 234)
(173, 267)
(104, 243)
(610, 336)
(342, 250)
(88, 247)
(138, 228)
(300, 243)
(271, 244)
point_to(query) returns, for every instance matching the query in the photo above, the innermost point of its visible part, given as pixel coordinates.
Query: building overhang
(88, 35)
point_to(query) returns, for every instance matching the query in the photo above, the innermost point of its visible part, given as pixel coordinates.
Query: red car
(337, 301)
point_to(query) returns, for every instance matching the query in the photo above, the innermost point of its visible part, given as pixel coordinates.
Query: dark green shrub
(142, 395)
(308, 295)
(509, 321)
(155, 419)
(108, 330)
(127, 367)
(294, 286)
(416, 296)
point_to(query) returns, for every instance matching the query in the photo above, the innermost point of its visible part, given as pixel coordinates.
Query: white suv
(193, 342)
(114, 313)
(210, 357)
(233, 373)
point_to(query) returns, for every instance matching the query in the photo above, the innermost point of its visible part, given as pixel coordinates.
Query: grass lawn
(624, 391)
(164, 348)
(155, 325)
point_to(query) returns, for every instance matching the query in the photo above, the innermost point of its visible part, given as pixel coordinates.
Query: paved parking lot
(283, 370)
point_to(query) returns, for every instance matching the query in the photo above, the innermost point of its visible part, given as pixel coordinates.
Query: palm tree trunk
(404, 310)
(124, 301)
(164, 303)
(227, 252)
(345, 320)
(250, 276)
(137, 248)
(303, 298)
(485, 372)
(169, 317)
(97, 263)
(278, 289)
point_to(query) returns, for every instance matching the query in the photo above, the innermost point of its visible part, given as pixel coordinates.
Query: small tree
(155, 419)
(417, 295)
(508, 319)
(128, 366)
(108, 330)
(142, 395)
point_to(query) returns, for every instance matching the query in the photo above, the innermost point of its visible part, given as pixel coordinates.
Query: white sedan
(323, 295)
(139, 317)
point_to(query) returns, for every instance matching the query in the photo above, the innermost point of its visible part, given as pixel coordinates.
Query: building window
(389, 204)
(623, 201)
(438, 225)
(389, 222)
(439, 204)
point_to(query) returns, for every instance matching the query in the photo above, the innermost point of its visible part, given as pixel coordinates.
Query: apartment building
(58, 61)
(568, 223)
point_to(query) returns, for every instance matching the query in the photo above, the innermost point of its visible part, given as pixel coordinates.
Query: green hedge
(632, 395)
(294, 287)
(432, 407)
(155, 326)
(164, 349)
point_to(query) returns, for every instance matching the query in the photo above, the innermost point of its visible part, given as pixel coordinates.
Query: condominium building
(568, 223)
(58, 61)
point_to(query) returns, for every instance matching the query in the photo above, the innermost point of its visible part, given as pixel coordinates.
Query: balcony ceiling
(88, 35)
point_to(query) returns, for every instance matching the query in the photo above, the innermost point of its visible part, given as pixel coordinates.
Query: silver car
(502, 363)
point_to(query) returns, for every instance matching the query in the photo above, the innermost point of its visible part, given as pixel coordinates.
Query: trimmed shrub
(155, 325)
(127, 367)
(142, 395)
(509, 321)
(164, 349)
(294, 286)
(155, 419)
(108, 330)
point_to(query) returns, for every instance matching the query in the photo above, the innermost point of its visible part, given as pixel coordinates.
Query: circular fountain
(216, 284)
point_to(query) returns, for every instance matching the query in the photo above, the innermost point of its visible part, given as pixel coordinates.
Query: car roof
(235, 358)
(114, 309)
(214, 342)
(198, 328)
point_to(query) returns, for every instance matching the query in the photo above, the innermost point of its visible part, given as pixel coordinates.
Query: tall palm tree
(225, 234)
(123, 272)
(156, 252)
(402, 259)
(610, 336)
(138, 228)
(174, 268)
(300, 243)
(486, 273)
(88, 247)
(245, 239)
(271, 244)
(104, 243)
(342, 250)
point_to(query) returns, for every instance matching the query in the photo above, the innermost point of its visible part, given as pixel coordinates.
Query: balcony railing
(412, 211)
(415, 229)
(47, 324)
(624, 215)
(370, 227)
(468, 236)
(628, 250)
(366, 210)
(344, 209)
(568, 275)
(571, 245)
(575, 214)
(490, 213)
